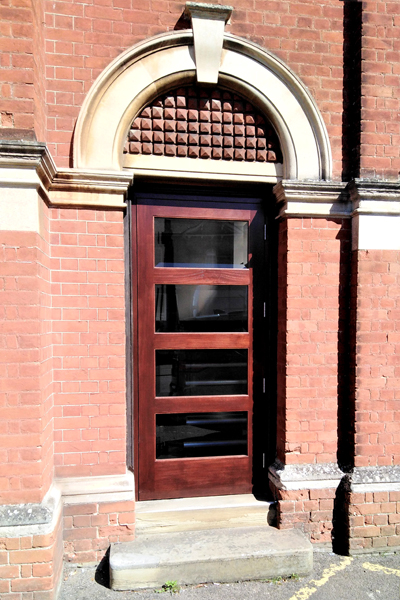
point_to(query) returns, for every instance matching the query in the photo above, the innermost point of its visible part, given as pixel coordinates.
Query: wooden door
(195, 347)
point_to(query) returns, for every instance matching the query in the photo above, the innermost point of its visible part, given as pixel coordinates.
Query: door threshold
(209, 512)
(200, 502)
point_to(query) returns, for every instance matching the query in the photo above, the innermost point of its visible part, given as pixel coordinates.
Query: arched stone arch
(167, 61)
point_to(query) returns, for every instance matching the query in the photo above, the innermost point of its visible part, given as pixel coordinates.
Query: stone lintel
(305, 476)
(208, 24)
(312, 199)
(165, 166)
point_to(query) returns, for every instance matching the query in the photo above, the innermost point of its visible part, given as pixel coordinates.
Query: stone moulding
(312, 199)
(19, 520)
(167, 61)
(208, 24)
(305, 477)
(90, 188)
(27, 171)
(329, 475)
(375, 197)
(33, 160)
(376, 214)
(375, 479)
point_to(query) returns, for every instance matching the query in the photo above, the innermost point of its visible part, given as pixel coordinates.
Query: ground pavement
(367, 577)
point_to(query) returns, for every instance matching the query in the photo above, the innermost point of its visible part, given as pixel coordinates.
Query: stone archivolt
(201, 123)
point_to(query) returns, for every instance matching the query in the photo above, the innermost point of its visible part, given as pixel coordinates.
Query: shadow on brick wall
(351, 118)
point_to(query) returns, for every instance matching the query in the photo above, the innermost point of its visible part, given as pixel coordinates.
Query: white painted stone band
(376, 232)
(20, 208)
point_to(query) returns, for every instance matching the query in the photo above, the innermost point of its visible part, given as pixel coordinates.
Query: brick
(80, 533)
(82, 521)
(366, 531)
(42, 570)
(37, 555)
(80, 509)
(115, 530)
(99, 520)
(9, 571)
(32, 585)
(118, 507)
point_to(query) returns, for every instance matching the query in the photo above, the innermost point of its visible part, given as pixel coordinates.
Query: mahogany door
(195, 347)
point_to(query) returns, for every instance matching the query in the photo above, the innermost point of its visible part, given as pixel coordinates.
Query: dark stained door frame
(264, 306)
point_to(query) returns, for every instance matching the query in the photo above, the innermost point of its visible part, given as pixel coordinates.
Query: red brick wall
(31, 564)
(317, 251)
(22, 66)
(82, 39)
(308, 510)
(39, 69)
(374, 520)
(380, 134)
(281, 431)
(46, 354)
(26, 401)
(90, 528)
(377, 384)
(16, 65)
(89, 341)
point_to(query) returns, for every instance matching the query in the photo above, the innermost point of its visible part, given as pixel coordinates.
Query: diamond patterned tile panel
(201, 123)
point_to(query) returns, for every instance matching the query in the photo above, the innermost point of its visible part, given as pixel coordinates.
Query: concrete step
(218, 555)
(193, 514)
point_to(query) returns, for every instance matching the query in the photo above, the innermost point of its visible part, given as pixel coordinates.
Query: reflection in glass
(203, 243)
(201, 434)
(199, 308)
(201, 372)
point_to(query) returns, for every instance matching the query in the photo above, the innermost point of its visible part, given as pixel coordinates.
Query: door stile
(135, 340)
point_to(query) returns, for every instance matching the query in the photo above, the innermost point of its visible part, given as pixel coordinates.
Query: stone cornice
(90, 188)
(329, 475)
(30, 156)
(19, 520)
(312, 199)
(374, 197)
(376, 474)
(305, 476)
(29, 165)
(92, 181)
(208, 11)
